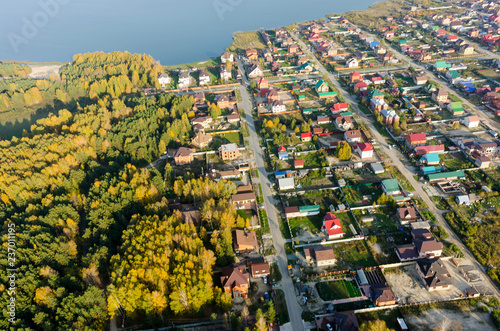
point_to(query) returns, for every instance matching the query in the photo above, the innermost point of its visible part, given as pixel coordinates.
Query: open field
(248, 39)
(458, 315)
(201, 64)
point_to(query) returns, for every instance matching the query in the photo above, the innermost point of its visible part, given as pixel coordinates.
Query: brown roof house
(229, 152)
(383, 295)
(353, 136)
(183, 156)
(321, 256)
(202, 140)
(434, 274)
(260, 270)
(406, 215)
(440, 96)
(252, 54)
(244, 200)
(236, 281)
(244, 241)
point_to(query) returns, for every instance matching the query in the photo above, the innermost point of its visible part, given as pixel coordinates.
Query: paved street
(294, 309)
(394, 158)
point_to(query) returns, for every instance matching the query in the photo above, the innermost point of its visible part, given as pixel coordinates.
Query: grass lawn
(313, 160)
(280, 305)
(233, 137)
(455, 161)
(248, 39)
(355, 194)
(353, 254)
(312, 222)
(263, 219)
(336, 290)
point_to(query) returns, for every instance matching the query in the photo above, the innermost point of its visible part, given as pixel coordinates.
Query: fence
(185, 326)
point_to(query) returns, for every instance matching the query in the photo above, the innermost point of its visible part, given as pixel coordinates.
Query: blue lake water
(171, 31)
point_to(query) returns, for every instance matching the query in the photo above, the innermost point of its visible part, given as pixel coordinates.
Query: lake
(171, 31)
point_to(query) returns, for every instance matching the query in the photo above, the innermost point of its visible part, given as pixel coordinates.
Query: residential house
(184, 79)
(406, 215)
(440, 96)
(321, 86)
(293, 49)
(298, 164)
(301, 59)
(355, 77)
(286, 184)
(252, 54)
(183, 156)
(378, 104)
(466, 49)
(455, 108)
(321, 256)
(343, 122)
(434, 274)
(204, 77)
(444, 176)
(260, 270)
(245, 241)
(222, 101)
(306, 68)
(352, 63)
(202, 140)
(416, 139)
(278, 106)
(235, 280)
(164, 79)
(254, 71)
(382, 295)
(199, 97)
(306, 136)
(245, 196)
(389, 115)
(364, 150)
(282, 153)
(389, 34)
(429, 248)
(339, 107)
(483, 161)
(471, 121)
(226, 56)
(233, 118)
(262, 83)
(430, 159)
(420, 79)
(225, 73)
(320, 120)
(453, 76)
(391, 186)
(204, 121)
(463, 199)
(353, 136)
(422, 150)
(332, 227)
(229, 152)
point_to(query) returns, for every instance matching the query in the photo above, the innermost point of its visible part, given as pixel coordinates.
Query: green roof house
(391, 186)
(377, 94)
(430, 88)
(441, 65)
(309, 210)
(435, 27)
(322, 86)
(451, 175)
(455, 108)
(453, 76)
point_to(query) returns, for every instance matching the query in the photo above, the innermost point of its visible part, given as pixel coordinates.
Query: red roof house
(307, 136)
(416, 139)
(332, 227)
(340, 107)
(422, 150)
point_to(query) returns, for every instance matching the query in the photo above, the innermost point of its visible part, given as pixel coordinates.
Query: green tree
(214, 111)
(343, 151)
